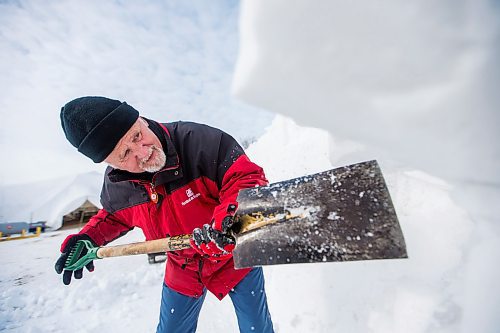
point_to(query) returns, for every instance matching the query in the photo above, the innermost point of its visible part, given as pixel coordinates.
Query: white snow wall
(416, 80)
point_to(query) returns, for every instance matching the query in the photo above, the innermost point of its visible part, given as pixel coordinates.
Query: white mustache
(153, 165)
(145, 159)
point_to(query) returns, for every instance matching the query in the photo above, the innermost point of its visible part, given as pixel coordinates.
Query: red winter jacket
(205, 169)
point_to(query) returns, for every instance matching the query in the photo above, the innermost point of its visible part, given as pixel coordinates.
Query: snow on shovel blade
(344, 214)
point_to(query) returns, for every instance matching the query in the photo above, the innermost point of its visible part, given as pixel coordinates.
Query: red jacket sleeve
(241, 174)
(105, 227)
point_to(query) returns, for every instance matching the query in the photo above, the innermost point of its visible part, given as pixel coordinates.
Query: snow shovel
(343, 214)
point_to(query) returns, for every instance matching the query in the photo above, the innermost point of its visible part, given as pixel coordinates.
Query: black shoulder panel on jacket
(203, 150)
(120, 195)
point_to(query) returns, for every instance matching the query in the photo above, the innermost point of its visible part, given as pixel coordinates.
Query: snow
(121, 295)
(412, 85)
(415, 82)
(373, 296)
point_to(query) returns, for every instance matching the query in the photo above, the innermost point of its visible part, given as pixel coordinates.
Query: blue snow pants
(179, 313)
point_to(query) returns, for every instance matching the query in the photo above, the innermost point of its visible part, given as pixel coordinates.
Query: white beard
(155, 164)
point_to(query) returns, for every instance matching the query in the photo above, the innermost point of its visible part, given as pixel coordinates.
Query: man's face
(138, 150)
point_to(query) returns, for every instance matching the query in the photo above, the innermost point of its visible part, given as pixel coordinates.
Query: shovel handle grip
(158, 245)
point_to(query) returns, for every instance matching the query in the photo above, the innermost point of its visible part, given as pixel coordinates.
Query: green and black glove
(66, 247)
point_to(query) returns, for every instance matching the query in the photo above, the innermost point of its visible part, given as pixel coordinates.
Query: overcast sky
(171, 60)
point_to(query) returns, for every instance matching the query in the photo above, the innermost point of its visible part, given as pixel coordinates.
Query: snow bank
(290, 151)
(420, 294)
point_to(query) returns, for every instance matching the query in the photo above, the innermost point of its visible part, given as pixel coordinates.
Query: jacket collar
(172, 170)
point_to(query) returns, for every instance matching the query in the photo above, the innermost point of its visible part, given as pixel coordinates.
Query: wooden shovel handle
(158, 245)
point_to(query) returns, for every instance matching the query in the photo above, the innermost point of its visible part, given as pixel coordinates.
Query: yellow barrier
(23, 235)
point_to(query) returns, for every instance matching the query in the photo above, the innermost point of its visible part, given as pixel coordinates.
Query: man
(170, 179)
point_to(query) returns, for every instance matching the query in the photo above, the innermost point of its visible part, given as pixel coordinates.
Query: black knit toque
(94, 124)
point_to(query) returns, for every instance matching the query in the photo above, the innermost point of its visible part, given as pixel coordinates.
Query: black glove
(66, 248)
(223, 221)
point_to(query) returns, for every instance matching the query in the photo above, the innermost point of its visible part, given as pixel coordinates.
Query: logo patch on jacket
(191, 196)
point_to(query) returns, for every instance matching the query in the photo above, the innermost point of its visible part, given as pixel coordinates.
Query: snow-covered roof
(49, 200)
